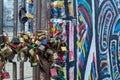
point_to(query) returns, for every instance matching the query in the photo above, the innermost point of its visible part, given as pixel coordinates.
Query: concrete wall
(97, 40)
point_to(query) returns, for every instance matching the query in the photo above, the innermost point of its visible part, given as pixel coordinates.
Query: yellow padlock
(63, 49)
(37, 43)
(31, 52)
(21, 39)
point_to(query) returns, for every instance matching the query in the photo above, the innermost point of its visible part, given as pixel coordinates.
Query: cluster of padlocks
(34, 48)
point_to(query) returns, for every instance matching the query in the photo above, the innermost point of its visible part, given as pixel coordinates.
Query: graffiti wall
(97, 40)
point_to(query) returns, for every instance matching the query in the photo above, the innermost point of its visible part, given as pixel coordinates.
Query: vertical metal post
(44, 14)
(48, 14)
(34, 32)
(1, 25)
(38, 14)
(21, 70)
(15, 18)
(35, 17)
(1, 16)
(15, 35)
(23, 4)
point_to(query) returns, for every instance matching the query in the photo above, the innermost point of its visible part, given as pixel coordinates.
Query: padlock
(15, 40)
(23, 44)
(34, 64)
(60, 58)
(44, 41)
(31, 52)
(42, 37)
(49, 51)
(23, 49)
(63, 48)
(6, 51)
(37, 43)
(22, 57)
(41, 47)
(40, 34)
(25, 37)
(5, 75)
(53, 72)
(55, 55)
(13, 46)
(2, 45)
(21, 39)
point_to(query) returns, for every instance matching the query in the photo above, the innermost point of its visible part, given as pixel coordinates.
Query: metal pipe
(15, 18)
(1, 25)
(34, 32)
(23, 4)
(1, 16)
(35, 17)
(15, 35)
(21, 70)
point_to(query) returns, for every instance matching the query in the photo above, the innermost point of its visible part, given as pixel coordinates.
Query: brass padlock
(63, 48)
(21, 39)
(6, 51)
(25, 37)
(31, 52)
(49, 51)
(37, 43)
(23, 49)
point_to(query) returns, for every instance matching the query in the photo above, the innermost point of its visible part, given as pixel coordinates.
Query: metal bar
(1, 16)
(34, 32)
(21, 70)
(48, 14)
(44, 15)
(35, 17)
(1, 25)
(23, 4)
(15, 18)
(15, 35)
(38, 14)
(14, 71)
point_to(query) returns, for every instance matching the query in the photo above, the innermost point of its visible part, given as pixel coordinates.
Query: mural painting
(84, 35)
(107, 39)
(98, 41)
